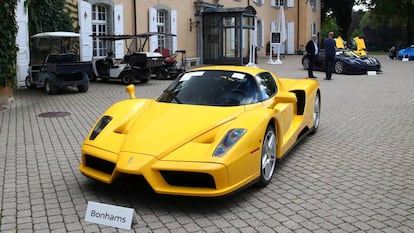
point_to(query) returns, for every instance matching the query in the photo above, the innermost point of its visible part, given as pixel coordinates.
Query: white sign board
(372, 72)
(110, 215)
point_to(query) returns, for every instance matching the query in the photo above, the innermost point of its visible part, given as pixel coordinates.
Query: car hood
(161, 128)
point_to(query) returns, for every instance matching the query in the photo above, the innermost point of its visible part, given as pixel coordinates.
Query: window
(267, 85)
(161, 24)
(99, 27)
(259, 2)
(313, 4)
(277, 3)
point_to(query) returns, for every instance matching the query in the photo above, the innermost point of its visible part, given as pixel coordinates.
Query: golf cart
(171, 68)
(54, 63)
(136, 65)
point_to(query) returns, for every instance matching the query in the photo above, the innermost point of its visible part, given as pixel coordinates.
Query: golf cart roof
(56, 34)
(125, 37)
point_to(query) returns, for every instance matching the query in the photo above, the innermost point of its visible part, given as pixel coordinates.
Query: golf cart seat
(168, 58)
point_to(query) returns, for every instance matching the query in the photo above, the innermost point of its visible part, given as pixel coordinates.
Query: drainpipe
(135, 22)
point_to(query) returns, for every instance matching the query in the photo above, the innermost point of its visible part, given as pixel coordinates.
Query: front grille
(189, 179)
(99, 164)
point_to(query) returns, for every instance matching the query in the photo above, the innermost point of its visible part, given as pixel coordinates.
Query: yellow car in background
(213, 131)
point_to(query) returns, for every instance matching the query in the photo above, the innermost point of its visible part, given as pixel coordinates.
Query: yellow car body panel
(165, 141)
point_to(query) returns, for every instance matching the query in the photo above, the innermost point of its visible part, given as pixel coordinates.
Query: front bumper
(164, 177)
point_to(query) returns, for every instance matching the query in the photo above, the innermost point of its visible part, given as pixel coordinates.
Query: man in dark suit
(312, 53)
(329, 45)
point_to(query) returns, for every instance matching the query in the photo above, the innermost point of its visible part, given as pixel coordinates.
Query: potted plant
(8, 51)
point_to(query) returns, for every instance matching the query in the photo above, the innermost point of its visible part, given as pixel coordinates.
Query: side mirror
(130, 89)
(283, 97)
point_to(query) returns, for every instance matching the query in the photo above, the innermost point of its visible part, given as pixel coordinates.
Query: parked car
(213, 131)
(346, 62)
(406, 53)
(54, 63)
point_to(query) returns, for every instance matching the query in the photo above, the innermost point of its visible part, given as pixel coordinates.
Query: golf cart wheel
(29, 84)
(92, 77)
(50, 88)
(127, 78)
(162, 73)
(83, 88)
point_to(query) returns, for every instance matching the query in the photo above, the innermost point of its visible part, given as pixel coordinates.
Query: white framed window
(99, 27)
(162, 19)
(161, 27)
(313, 4)
(277, 3)
(259, 2)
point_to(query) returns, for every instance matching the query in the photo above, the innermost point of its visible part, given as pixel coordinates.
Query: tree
(341, 11)
(47, 16)
(8, 48)
(398, 14)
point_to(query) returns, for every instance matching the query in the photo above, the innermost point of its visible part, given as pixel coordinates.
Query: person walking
(330, 50)
(312, 52)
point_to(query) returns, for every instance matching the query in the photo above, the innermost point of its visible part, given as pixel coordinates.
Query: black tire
(28, 83)
(339, 67)
(162, 73)
(305, 63)
(83, 88)
(127, 78)
(92, 77)
(144, 75)
(316, 114)
(50, 88)
(268, 157)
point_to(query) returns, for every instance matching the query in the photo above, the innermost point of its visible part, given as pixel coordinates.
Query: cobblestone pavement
(355, 175)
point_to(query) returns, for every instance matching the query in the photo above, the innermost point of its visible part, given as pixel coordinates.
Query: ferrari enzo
(406, 53)
(346, 62)
(213, 131)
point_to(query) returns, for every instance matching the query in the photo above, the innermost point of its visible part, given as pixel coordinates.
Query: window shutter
(119, 30)
(85, 23)
(153, 40)
(22, 41)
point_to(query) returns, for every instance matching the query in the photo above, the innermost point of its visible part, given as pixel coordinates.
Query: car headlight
(228, 141)
(104, 121)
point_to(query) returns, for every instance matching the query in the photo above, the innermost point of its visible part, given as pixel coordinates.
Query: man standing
(312, 53)
(330, 50)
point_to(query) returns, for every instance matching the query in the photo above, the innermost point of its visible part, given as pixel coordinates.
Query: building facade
(191, 22)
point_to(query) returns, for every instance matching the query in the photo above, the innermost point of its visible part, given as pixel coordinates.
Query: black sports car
(346, 62)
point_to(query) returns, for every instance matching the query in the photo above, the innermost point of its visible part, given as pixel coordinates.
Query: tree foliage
(341, 12)
(48, 15)
(8, 49)
(397, 14)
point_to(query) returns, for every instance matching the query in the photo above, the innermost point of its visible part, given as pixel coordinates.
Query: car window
(267, 85)
(213, 88)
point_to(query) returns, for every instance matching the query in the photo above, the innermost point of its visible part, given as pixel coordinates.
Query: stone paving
(355, 175)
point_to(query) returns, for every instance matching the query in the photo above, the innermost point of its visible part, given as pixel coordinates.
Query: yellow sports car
(213, 131)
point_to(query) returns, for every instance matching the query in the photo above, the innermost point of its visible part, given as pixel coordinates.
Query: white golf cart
(54, 63)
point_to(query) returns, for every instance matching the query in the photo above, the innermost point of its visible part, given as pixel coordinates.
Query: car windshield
(212, 88)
